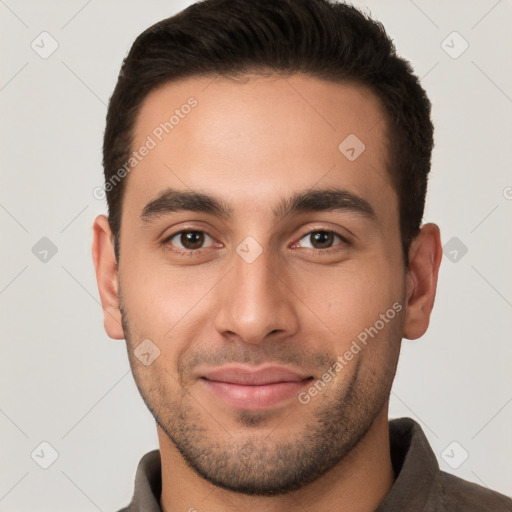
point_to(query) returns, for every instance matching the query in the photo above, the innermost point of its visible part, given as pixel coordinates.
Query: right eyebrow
(172, 200)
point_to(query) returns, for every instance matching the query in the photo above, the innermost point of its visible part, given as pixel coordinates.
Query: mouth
(254, 389)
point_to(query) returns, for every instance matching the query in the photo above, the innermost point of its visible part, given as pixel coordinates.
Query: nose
(256, 301)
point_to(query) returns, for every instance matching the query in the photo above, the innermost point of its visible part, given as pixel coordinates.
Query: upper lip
(243, 375)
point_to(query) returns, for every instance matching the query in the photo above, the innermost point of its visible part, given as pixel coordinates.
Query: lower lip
(255, 397)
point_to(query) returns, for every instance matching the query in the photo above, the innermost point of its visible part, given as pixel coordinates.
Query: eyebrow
(313, 200)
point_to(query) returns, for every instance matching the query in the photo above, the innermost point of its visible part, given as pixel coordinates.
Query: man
(265, 168)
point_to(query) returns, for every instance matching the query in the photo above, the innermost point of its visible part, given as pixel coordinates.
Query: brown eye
(192, 239)
(189, 240)
(321, 239)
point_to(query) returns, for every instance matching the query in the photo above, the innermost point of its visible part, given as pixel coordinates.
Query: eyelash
(192, 252)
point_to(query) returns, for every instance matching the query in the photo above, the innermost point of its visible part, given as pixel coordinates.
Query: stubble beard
(259, 462)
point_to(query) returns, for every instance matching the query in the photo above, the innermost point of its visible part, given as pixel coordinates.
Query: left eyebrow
(315, 200)
(329, 199)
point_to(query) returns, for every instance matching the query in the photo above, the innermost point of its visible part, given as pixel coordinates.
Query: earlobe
(105, 265)
(425, 256)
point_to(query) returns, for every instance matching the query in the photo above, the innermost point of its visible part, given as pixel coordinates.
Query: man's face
(250, 310)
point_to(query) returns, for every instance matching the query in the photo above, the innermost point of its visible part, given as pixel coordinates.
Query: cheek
(163, 302)
(351, 298)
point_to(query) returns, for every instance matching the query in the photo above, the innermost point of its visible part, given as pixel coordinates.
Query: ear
(425, 256)
(105, 264)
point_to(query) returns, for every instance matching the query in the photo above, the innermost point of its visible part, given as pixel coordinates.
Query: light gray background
(65, 382)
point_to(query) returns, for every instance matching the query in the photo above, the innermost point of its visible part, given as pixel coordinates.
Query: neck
(358, 483)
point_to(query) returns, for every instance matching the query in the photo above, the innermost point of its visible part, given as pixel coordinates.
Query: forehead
(259, 137)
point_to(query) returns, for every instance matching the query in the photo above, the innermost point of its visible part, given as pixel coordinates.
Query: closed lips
(262, 377)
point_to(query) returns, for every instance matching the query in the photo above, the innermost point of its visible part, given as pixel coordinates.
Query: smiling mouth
(254, 389)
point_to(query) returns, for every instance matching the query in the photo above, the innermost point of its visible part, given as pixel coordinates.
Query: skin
(253, 143)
